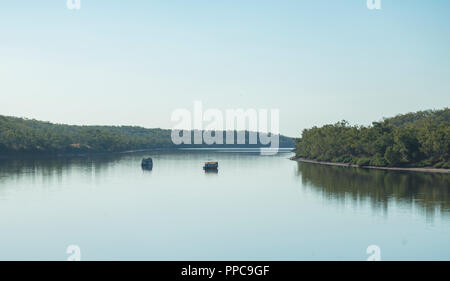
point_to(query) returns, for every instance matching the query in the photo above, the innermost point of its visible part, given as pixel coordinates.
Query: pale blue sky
(134, 62)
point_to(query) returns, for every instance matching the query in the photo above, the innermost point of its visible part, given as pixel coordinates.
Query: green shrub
(363, 161)
(378, 161)
(392, 156)
(343, 159)
(424, 163)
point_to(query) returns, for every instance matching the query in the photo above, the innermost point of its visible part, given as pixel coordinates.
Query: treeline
(420, 139)
(19, 135)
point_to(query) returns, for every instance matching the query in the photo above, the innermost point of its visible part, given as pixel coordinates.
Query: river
(256, 207)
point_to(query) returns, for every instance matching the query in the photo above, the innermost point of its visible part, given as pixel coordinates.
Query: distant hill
(19, 135)
(419, 139)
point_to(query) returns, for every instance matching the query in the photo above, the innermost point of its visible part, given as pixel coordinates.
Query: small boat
(211, 166)
(147, 163)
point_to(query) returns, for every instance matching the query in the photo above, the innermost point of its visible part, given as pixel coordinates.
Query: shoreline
(32, 155)
(422, 170)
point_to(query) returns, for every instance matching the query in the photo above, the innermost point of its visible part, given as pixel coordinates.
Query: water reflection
(101, 200)
(211, 171)
(429, 193)
(45, 170)
(425, 193)
(54, 167)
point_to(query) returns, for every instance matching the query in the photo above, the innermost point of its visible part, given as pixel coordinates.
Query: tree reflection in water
(428, 193)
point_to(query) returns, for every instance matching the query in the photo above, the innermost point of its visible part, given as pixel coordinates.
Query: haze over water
(255, 208)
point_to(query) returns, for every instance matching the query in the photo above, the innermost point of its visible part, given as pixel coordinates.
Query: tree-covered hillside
(18, 135)
(417, 139)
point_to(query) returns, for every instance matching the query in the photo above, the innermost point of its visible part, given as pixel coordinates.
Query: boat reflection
(211, 171)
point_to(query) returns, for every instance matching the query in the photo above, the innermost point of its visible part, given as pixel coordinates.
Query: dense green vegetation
(420, 139)
(18, 135)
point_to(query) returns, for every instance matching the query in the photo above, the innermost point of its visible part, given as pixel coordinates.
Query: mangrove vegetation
(420, 139)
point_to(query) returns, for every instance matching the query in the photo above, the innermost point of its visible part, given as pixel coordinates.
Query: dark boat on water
(211, 166)
(147, 163)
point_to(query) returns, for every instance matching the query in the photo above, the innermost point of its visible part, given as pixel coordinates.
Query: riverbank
(180, 149)
(422, 170)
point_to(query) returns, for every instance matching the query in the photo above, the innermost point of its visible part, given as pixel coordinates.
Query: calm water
(255, 208)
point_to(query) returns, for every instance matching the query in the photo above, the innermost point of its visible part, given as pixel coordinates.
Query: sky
(135, 62)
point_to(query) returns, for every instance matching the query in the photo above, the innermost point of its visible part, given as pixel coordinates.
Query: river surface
(254, 208)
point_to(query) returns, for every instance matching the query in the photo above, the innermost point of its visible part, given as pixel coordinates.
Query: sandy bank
(422, 170)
